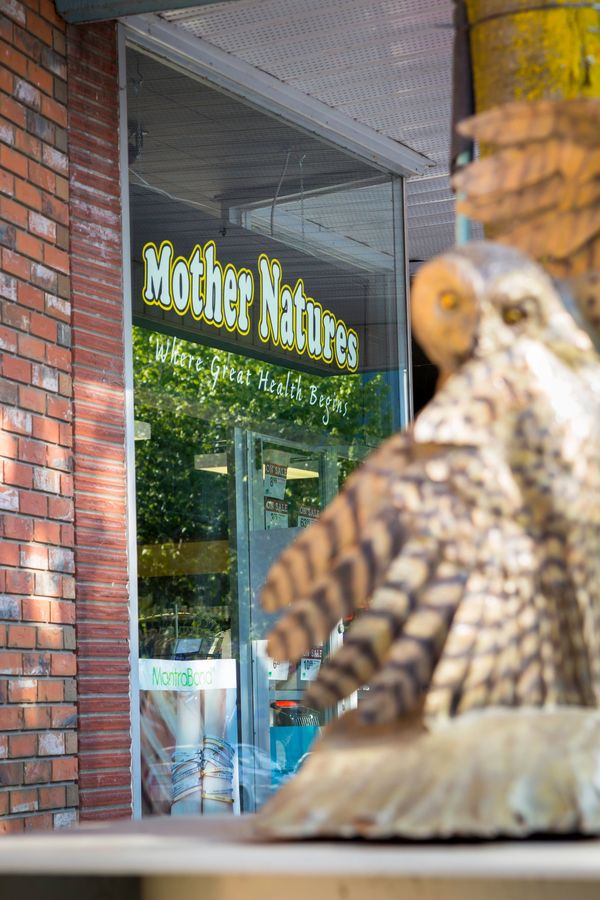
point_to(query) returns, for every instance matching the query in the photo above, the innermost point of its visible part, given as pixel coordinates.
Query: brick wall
(99, 425)
(62, 469)
(38, 743)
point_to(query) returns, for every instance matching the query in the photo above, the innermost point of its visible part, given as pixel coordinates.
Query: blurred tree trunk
(533, 49)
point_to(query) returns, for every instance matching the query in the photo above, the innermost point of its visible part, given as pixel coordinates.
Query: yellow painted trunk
(533, 49)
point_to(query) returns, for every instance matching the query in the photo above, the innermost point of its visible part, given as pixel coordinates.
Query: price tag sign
(307, 515)
(275, 480)
(309, 669)
(279, 669)
(276, 513)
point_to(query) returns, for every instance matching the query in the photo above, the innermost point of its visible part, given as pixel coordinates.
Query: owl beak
(572, 299)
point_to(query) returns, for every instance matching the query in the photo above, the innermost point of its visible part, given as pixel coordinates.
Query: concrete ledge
(219, 858)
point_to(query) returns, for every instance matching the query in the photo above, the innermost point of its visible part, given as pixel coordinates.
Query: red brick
(34, 504)
(36, 663)
(36, 610)
(8, 340)
(66, 434)
(31, 348)
(37, 771)
(37, 717)
(64, 664)
(64, 769)
(32, 451)
(39, 27)
(22, 691)
(12, 826)
(42, 177)
(47, 9)
(51, 797)
(42, 226)
(45, 429)
(32, 297)
(34, 556)
(56, 259)
(28, 145)
(50, 637)
(18, 582)
(43, 326)
(7, 183)
(51, 691)
(21, 636)
(55, 209)
(11, 718)
(59, 408)
(11, 663)
(42, 822)
(10, 159)
(59, 508)
(30, 246)
(18, 473)
(64, 716)
(13, 212)
(54, 111)
(3, 803)
(16, 369)
(23, 801)
(59, 357)
(46, 532)
(18, 527)
(15, 316)
(28, 194)
(22, 745)
(62, 612)
(15, 264)
(48, 584)
(8, 445)
(59, 458)
(13, 110)
(6, 85)
(9, 554)
(41, 78)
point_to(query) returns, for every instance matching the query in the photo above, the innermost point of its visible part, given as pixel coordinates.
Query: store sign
(224, 297)
(187, 675)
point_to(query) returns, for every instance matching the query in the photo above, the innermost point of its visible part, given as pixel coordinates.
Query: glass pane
(269, 357)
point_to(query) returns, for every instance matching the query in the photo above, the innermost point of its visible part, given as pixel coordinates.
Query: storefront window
(269, 347)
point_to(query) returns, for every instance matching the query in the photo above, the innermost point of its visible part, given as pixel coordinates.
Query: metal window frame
(241, 81)
(134, 683)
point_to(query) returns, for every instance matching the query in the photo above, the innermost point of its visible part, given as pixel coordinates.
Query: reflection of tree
(189, 415)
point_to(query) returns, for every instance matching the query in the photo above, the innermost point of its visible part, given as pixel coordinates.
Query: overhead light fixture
(211, 462)
(217, 463)
(294, 472)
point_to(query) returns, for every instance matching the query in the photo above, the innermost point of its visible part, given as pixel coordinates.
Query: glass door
(282, 487)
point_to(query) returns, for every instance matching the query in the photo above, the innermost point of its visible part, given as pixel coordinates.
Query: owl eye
(449, 301)
(513, 314)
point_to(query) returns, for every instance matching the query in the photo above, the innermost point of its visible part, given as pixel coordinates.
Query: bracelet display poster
(189, 737)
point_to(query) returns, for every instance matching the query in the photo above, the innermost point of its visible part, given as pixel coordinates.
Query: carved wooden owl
(473, 538)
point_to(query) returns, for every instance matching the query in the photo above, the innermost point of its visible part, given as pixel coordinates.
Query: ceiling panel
(386, 64)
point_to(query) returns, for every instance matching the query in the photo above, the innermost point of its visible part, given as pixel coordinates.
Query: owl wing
(538, 189)
(428, 535)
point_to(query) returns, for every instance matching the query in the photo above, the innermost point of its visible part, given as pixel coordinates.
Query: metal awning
(79, 11)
